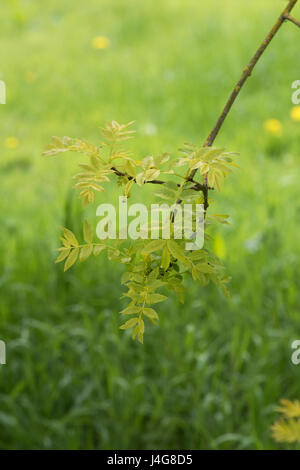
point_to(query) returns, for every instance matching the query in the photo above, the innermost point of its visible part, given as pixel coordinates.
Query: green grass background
(210, 375)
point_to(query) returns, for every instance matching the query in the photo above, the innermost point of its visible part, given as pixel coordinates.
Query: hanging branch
(151, 264)
(293, 20)
(285, 15)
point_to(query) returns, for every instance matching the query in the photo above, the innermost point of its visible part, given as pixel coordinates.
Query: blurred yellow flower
(273, 126)
(295, 113)
(100, 42)
(219, 247)
(11, 142)
(30, 76)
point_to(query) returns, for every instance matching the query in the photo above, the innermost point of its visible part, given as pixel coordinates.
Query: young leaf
(87, 231)
(155, 298)
(98, 249)
(165, 258)
(86, 251)
(176, 250)
(70, 237)
(154, 245)
(71, 258)
(195, 274)
(205, 268)
(141, 329)
(130, 310)
(150, 313)
(64, 252)
(129, 324)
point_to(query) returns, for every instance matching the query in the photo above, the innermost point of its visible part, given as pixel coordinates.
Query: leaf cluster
(152, 267)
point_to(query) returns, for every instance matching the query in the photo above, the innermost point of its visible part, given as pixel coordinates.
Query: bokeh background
(211, 374)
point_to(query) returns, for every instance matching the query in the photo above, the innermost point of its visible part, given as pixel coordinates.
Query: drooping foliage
(151, 266)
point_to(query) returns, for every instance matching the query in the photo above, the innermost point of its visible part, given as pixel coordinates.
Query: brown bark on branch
(197, 186)
(245, 75)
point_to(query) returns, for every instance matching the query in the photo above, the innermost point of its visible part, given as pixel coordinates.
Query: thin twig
(293, 20)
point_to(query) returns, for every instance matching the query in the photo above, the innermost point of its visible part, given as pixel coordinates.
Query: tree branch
(197, 186)
(285, 15)
(246, 73)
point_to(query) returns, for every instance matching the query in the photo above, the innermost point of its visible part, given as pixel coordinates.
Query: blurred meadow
(211, 374)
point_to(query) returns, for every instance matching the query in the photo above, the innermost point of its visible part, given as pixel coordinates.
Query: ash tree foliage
(152, 267)
(156, 266)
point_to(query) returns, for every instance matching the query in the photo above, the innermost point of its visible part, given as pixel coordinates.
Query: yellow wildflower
(273, 126)
(100, 42)
(295, 113)
(11, 142)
